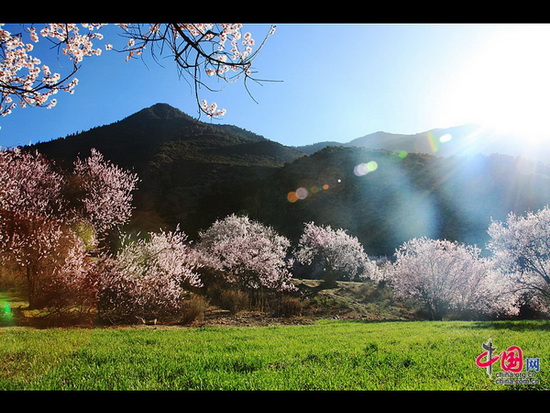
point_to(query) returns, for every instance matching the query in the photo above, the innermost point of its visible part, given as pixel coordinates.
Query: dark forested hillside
(404, 197)
(194, 172)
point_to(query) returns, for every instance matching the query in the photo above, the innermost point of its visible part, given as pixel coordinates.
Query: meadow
(327, 355)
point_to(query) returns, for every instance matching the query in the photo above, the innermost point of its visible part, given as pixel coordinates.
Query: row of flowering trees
(54, 227)
(449, 277)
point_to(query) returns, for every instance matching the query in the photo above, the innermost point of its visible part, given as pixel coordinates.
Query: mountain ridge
(462, 140)
(148, 130)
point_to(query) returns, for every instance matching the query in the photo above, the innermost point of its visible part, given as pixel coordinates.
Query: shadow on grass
(513, 325)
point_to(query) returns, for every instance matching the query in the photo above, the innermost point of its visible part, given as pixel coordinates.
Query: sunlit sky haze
(332, 82)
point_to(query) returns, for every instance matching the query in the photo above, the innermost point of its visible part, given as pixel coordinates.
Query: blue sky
(330, 82)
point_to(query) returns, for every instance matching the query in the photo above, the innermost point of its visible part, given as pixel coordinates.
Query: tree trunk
(330, 277)
(32, 288)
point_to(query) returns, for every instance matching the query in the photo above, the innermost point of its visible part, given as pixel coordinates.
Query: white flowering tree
(449, 277)
(340, 255)
(250, 255)
(521, 248)
(219, 50)
(148, 277)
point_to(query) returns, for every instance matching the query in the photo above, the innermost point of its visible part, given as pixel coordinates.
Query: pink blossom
(20, 77)
(41, 225)
(250, 254)
(106, 191)
(521, 249)
(148, 277)
(450, 277)
(337, 252)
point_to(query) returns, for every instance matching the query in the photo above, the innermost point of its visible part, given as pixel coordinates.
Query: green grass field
(328, 355)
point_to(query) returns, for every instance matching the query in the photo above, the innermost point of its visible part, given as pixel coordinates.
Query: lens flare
(302, 192)
(292, 196)
(365, 168)
(6, 314)
(445, 138)
(433, 142)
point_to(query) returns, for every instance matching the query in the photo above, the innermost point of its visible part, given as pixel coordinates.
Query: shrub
(192, 309)
(234, 300)
(286, 306)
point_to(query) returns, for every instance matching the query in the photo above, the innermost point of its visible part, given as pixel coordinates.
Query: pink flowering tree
(148, 277)
(31, 228)
(218, 50)
(102, 193)
(41, 223)
(250, 255)
(338, 254)
(449, 278)
(68, 277)
(521, 249)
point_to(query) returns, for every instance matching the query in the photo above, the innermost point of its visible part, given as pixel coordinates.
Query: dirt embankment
(313, 300)
(345, 300)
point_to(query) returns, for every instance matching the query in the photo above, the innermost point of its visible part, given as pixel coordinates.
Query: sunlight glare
(506, 86)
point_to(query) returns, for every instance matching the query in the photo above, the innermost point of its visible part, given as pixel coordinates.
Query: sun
(505, 86)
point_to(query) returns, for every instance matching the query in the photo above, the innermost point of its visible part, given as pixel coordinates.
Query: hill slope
(404, 197)
(161, 129)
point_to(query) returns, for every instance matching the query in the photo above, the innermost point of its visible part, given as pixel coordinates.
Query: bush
(193, 308)
(286, 306)
(234, 300)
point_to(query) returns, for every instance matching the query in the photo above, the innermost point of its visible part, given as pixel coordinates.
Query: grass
(328, 355)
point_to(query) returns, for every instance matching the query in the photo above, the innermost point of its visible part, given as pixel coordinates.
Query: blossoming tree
(521, 248)
(30, 206)
(250, 254)
(148, 277)
(339, 254)
(102, 193)
(449, 277)
(40, 214)
(219, 50)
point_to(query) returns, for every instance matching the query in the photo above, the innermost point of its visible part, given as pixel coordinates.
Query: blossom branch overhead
(217, 50)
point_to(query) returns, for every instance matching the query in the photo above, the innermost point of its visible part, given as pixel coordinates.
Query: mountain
(191, 172)
(154, 131)
(383, 188)
(315, 147)
(468, 139)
